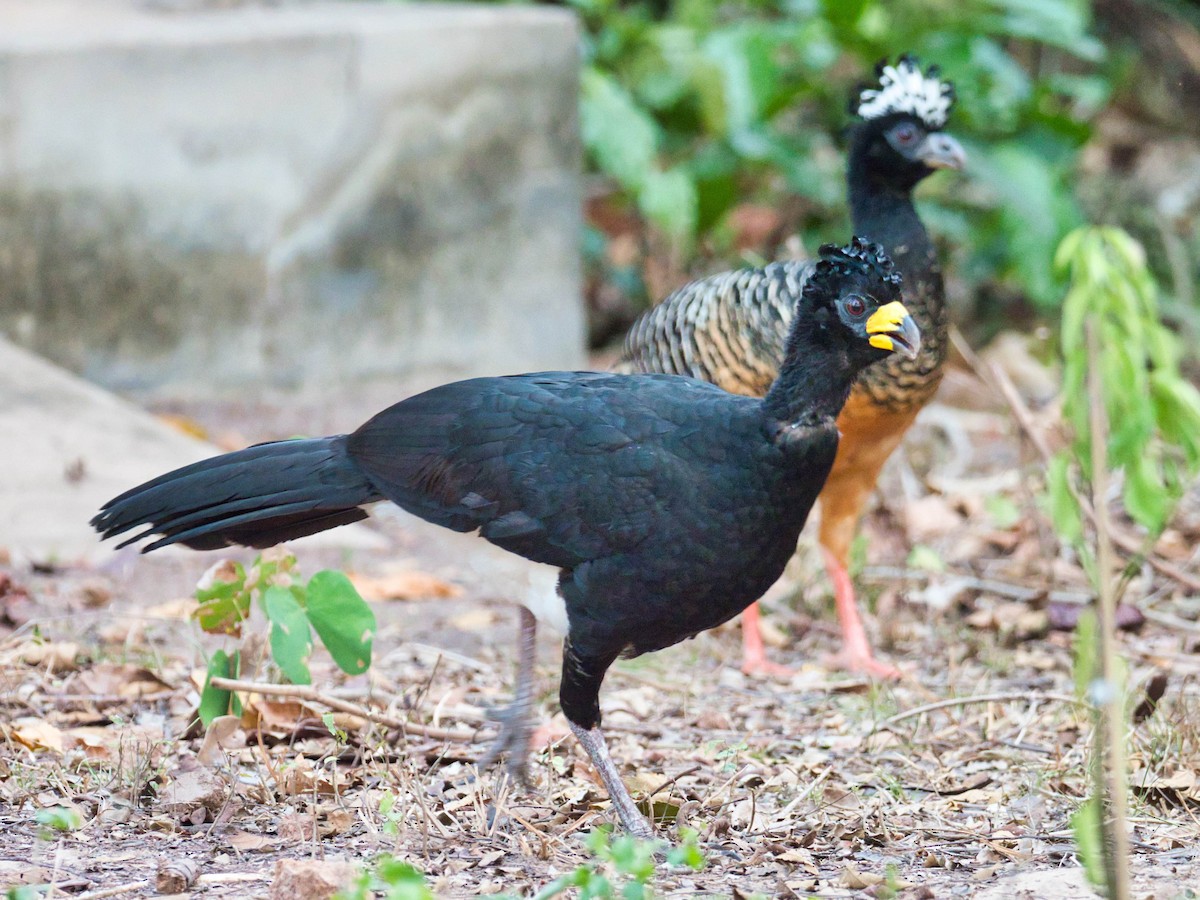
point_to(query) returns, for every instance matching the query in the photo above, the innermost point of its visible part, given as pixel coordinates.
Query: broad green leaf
(214, 702)
(225, 605)
(402, 880)
(620, 135)
(342, 619)
(1145, 494)
(1055, 22)
(59, 818)
(669, 200)
(743, 55)
(291, 638)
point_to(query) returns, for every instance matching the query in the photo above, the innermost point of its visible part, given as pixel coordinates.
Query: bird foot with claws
(513, 741)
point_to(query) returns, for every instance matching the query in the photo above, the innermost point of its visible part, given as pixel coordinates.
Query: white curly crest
(904, 88)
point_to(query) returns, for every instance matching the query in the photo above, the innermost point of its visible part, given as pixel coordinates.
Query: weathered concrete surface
(69, 446)
(292, 195)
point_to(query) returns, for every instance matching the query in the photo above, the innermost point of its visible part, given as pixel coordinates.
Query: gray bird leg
(593, 742)
(516, 727)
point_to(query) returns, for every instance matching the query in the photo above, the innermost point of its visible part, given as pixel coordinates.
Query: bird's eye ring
(855, 305)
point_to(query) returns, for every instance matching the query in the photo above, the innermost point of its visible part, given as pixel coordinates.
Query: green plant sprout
(327, 604)
(391, 877)
(623, 866)
(1134, 417)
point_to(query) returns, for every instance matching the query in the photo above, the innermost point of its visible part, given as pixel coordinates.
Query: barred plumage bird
(729, 329)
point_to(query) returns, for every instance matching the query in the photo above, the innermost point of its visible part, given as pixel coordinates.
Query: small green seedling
(327, 604)
(622, 867)
(392, 878)
(57, 820)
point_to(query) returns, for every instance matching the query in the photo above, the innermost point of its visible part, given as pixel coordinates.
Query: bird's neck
(813, 384)
(883, 212)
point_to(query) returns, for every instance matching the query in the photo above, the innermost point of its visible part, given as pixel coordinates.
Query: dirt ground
(957, 781)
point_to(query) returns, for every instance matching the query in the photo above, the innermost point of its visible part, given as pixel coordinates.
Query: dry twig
(1007, 697)
(306, 692)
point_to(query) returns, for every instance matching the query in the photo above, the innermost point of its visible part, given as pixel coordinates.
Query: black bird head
(903, 114)
(853, 296)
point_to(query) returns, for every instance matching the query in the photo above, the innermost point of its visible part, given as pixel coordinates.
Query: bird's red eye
(855, 306)
(905, 133)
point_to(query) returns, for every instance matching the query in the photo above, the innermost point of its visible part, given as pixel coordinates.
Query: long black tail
(255, 497)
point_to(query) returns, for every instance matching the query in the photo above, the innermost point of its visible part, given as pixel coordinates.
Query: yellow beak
(892, 328)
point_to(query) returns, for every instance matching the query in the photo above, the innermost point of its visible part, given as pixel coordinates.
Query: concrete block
(300, 195)
(72, 446)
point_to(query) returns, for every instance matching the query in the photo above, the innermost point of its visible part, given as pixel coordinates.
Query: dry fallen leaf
(110, 742)
(404, 584)
(276, 717)
(54, 656)
(223, 733)
(36, 734)
(191, 789)
(856, 880)
(302, 777)
(115, 680)
(247, 842)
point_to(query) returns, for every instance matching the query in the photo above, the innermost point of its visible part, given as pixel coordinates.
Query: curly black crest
(860, 260)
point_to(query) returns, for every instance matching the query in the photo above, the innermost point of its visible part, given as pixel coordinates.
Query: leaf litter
(957, 781)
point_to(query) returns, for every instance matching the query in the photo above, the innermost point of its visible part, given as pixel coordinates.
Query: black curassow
(667, 504)
(730, 328)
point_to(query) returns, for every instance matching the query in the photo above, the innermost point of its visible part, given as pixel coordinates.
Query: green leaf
(1063, 509)
(743, 55)
(1060, 24)
(342, 619)
(1003, 511)
(925, 557)
(225, 605)
(1145, 494)
(402, 880)
(215, 702)
(687, 853)
(669, 200)
(1085, 652)
(291, 638)
(619, 134)
(59, 818)
(1089, 840)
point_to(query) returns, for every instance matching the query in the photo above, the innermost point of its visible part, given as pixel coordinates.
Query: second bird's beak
(940, 151)
(891, 328)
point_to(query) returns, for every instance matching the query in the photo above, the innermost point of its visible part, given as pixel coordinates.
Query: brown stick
(1009, 697)
(306, 692)
(1111, 773)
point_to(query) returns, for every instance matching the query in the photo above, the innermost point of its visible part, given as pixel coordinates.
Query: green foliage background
(694, 106)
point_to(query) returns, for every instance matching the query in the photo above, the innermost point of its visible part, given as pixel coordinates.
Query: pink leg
(855, 655)
(754, 654)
